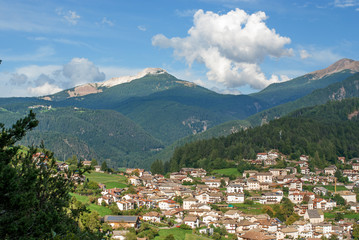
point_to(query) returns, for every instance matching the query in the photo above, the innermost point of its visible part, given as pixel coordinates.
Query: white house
(191, 221)
(188, 202)
(266, 177)
(235, 198)
(168, 204)
(125, 205)
(234, 188)
(348, 196)
(152, 217)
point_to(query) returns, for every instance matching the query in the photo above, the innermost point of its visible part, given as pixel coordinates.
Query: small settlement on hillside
(203, 202)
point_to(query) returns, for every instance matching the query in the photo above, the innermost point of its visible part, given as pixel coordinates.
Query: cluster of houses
(199, 194)
(193, 198)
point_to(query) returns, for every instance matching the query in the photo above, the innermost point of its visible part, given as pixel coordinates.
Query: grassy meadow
(110, 180)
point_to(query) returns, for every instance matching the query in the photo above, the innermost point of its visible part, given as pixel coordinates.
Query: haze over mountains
(128, 120)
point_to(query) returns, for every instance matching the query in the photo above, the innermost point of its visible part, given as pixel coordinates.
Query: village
(242, 206)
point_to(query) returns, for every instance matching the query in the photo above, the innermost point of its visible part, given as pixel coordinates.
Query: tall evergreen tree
(35, 200)
(104, 166)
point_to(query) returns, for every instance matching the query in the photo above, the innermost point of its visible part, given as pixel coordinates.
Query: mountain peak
(342, 64)
(90, 88)
(118, 80)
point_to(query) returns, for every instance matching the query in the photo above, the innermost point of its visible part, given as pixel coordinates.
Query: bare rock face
(343, 64)
(84, 90)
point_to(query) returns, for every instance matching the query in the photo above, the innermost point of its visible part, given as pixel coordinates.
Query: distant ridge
(279, 93)
(90, 88)
(119, 80)
(342, 64)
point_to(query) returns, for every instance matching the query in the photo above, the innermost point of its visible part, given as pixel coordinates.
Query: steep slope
(101, 134)
(220, 130)
(337, 91)
(179, 112)
(279, 93)
(166, 107)
(324, 132)
(92, 88)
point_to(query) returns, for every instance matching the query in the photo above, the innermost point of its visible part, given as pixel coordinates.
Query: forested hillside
(100, 134)
(337, 91)
(323, 132)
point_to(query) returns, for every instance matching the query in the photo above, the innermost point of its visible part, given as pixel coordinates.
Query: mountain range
(130, 121)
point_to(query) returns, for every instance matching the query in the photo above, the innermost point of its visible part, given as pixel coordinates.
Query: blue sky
(230, 46)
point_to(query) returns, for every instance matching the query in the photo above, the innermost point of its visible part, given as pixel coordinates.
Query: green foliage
(338, 82)
(104, 166)
(89, 221)
(100, 134)
(339, 200)
(157, 167)
(283, 211)
(36, 203)
(178, 233)
(147, 231)
(94, 162)
(355, 232)
(185, 227)
(312, 131)
(170, 237)
(296, 88)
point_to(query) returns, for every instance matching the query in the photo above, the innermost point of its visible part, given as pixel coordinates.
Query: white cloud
(114, 71)
(304, 54)
(227, 91)
(231, 46)
(44, 80)
(108, 22)
(346, 3)
(44, 89)
(18, 79)
(35, 71)
(81, 70)
(69, 16)
(324, 56)
(142, 28)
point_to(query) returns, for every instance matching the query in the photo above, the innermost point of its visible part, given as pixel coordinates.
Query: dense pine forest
(323, 132)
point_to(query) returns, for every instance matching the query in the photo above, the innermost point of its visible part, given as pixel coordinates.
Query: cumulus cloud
(44, 80)
(18, 79)
(44, 89)
(81, 70)
(231, 46)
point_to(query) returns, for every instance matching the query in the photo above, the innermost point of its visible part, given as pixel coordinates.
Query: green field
(255, 208)
(228, 172)
(195, 237)
(178, 233)
(110, 180)
(332, 189)
(93, 207)
(329, 215)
